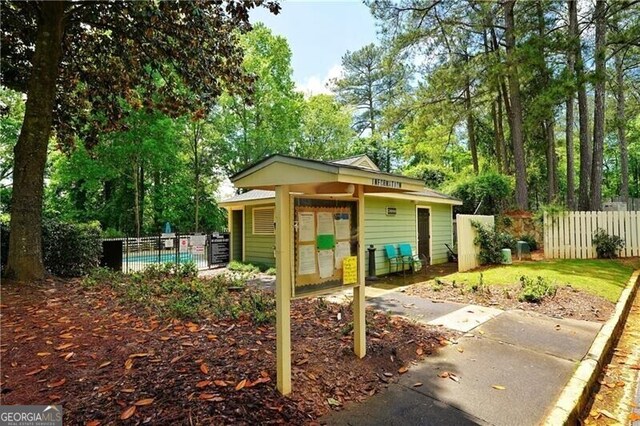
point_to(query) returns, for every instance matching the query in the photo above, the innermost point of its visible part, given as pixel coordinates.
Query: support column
(359, 323)
(283, 289)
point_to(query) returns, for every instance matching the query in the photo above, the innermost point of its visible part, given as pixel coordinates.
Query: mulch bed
(103, 361)
(567, 303)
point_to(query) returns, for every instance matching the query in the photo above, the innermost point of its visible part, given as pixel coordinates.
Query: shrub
(491, 244)
(491, 189)
(607, 246)
(530, 239)
(69, 249)
(535, 291)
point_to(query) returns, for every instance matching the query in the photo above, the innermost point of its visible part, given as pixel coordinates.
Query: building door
(424, 238)
(236, 234)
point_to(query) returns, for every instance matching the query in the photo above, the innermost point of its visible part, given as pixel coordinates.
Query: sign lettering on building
(386, 183)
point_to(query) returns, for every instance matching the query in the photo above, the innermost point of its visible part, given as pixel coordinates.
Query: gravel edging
(575, 396)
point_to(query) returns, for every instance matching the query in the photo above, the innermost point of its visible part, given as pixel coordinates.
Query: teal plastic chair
(408, 258)
(393, 257)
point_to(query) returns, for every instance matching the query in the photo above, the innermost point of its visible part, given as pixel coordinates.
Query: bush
(251, 268)
(70, 250)
(535, 291)
(491, 189)
(607, 246)
(530, 239)
(491, 244)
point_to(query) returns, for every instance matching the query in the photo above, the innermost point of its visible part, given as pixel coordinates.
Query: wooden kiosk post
(359, 322)
(283, 289)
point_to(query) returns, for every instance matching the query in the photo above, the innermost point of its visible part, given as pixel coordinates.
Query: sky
(319, 33)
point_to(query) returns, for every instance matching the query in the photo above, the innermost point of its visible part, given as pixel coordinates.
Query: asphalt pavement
(507, 368)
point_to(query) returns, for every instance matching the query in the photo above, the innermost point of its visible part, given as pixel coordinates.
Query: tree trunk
(571, 186)
(552, 163)
(30, 153)
(522, 198)
(136, 197)
(570, 115)
(471, 132)
(598, 106)
(583, 109)
(196, 173)
(621, 127)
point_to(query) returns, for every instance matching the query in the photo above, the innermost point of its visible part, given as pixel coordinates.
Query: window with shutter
(263, 218)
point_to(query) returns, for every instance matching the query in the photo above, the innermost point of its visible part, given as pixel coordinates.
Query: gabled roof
(361, 160)
(281, 169)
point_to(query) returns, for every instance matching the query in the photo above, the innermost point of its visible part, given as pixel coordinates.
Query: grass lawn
(604, 278)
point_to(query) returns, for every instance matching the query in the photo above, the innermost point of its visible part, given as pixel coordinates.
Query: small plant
(437, 285)
(535, 291)
(607, 246)
(243, 267)
(491, 244)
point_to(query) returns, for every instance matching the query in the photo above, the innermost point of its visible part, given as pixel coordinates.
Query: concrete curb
(575, 395)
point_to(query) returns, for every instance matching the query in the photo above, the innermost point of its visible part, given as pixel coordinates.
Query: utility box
(614, 206)
(523, 251)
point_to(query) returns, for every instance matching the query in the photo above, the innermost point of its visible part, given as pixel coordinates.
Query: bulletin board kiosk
(320, 234)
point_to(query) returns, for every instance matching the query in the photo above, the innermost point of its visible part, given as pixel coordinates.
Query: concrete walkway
(510, 367)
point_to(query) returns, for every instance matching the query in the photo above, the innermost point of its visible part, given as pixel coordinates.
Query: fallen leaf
(444, 374)
(43, 353)
(203, 384)
(241, 384)
(498, 387)
(634, 417)
(460, 350)
(104, 364)
(418, 384)
(210, 397)
(66, 336)
(607, 414)
(419, 351)
(454, 377)
(333, 402)
(204, 368)
(128, 413)
(143, 402)
(128, 364)
(403, 370)
(63, 347)
(34, 372)
(128, 390)
(68, 356)
(92, 423)
(139, 355)
(221, 383)
(57, 384)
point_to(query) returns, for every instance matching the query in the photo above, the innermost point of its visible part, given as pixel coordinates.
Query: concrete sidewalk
(527, 357)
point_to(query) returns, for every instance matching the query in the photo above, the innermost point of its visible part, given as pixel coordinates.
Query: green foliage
(176, 291)
(250, 268)
(607, 246)
(69, 249)
(531, 240)
(248, 128)
(491, 244)
(535, 291)
(492, 189)
(326, 132)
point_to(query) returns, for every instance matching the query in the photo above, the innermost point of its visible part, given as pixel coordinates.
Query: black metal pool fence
(131, 254)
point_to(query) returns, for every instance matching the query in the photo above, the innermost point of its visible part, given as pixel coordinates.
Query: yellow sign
(350, 270)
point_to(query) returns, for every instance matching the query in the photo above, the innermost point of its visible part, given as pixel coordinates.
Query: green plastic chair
(408, 258)
(393, 257)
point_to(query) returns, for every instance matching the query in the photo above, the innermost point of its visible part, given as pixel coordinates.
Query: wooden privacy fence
(467, 249)
(568, 235)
